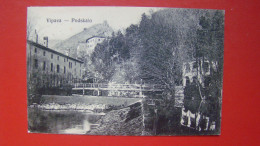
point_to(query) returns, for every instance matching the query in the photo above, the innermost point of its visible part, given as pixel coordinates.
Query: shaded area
(126, 121)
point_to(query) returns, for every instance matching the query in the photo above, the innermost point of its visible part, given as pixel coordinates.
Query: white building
(193, 70)
(89, 45)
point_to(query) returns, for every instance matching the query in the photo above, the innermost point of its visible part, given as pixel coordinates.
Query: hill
(70, 45)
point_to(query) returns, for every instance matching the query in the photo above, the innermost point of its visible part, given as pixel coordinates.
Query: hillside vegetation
(70, 44)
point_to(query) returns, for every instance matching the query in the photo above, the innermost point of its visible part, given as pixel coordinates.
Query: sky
(119, 18)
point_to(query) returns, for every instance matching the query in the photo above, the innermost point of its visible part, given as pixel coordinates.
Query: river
(187, 117)
(61, 121)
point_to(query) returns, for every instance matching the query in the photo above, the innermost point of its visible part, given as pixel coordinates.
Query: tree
(210, 45)
(159, 46)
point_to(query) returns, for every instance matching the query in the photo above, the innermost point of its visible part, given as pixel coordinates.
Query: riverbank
(79, 99)
(84, 107)
(125, 121)
(78, 102)
(121, 116)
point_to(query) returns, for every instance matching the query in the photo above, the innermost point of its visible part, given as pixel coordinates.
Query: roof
(51, 50)
(95, 37)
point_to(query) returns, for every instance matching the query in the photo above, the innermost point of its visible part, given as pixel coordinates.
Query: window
(35, 50)
(195, 65)
(58, 68)
(207, 81)
(70, 64)
(58, 57)
(187, 81)
(194, 79)
(206, 66)
(51, 56)
(187, 67)
(43, 53)
(64, 60)
(51, 67)
(35, 63)
(64, 69)
(44, 65)
(75, 63)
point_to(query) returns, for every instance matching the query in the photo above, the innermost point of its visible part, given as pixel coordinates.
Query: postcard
(133, 71)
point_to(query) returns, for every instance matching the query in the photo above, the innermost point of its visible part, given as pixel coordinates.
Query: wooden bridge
(99, 87)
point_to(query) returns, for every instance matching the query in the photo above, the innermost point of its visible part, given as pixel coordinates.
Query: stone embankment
(125, 121)
(139, 118)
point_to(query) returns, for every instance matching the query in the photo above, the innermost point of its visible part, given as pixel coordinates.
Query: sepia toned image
(135, 71)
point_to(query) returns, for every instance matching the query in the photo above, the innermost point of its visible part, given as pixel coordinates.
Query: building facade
(89, 45)
(197, 106)
(194, 70)
(49, 68)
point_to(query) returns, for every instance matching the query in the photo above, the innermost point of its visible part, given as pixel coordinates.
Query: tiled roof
(51, 50)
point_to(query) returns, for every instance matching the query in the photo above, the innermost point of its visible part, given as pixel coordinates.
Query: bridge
(99, 87)
(148, 105)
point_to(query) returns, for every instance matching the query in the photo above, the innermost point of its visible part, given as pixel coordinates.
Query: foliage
(155, 50)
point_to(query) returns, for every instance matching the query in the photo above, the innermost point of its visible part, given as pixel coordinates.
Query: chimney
(36, 36)
(105, 23)
(45, 41)
(67, 52)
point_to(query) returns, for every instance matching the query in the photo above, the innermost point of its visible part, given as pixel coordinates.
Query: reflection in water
(188, 116)
(199, 115)
(192, 117)
(62, 122)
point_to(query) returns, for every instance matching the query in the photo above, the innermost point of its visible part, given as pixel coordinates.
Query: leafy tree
(158, 38)
(210, 46)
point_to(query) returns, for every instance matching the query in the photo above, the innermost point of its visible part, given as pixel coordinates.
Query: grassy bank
(115, 101)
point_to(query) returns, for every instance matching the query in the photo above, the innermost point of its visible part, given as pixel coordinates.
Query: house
(196, 70)
(89, 45)
(49, 68)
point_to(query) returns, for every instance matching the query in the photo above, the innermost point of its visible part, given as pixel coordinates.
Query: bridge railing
(90, 85)
(101, 85)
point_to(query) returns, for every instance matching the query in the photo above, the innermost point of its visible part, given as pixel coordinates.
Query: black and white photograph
(126, 71)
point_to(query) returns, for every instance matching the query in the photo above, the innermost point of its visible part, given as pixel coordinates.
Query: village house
(193, 70)
(195, 110)
(49, 68)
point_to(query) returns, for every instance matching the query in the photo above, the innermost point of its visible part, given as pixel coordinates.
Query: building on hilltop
(71, 44)
(49, 68)
(84, 52)
(89, 45)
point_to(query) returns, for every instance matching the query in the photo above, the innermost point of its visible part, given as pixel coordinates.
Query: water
(200, 115)
(189, 117)
(61, 122)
